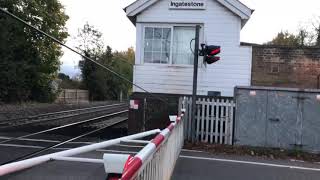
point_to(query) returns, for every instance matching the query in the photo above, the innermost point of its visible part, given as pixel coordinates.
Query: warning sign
(134, 104)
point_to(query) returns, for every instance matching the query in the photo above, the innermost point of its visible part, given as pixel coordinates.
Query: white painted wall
(221, 27)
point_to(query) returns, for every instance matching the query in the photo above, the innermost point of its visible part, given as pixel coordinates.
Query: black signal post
(209, 53)
(194, 89)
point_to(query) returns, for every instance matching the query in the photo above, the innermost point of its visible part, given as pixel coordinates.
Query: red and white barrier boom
(157, 159)
(66, 155)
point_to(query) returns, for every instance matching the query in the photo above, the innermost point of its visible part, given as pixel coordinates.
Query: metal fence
(278, 117)
(214, 120)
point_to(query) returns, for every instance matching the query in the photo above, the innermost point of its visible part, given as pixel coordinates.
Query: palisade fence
(214, 120)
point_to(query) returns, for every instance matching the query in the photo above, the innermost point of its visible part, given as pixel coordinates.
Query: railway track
(96, 119)
(60, 143)
(81, 122)
(60, 116)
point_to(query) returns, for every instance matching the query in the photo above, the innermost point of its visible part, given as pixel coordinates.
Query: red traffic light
(211, 59)
(209, 53)
(213, 50)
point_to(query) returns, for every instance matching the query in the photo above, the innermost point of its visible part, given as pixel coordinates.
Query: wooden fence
(73, 96)
(214, 120)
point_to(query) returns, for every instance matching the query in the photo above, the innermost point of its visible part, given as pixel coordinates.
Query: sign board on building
(134, 104)
(187, 4)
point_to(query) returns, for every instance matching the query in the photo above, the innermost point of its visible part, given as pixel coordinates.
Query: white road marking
(22, 146)
(116, 151)
(188, 150)
(295, 160)
(250, 162)
(75, 142)
(41, 147)
(44, 140)
(87, 142)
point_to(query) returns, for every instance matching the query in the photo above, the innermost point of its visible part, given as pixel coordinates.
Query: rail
(55, 116)
(65, 142)
(64, 126)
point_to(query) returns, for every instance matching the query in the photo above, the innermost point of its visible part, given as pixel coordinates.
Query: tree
(102, 84)
(67, 83)
(29, 61)
(63, 76)
(302, 37)
(90, 40)
(286, 39)
(123, 63)
(316, 26)
(308, 35)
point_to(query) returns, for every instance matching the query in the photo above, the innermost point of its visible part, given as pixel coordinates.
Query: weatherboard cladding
(220, 27)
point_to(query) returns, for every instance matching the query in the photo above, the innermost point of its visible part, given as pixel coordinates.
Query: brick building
(279, 66)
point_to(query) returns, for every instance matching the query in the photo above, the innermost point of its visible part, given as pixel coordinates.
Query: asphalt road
(190, 166)
(206, 169)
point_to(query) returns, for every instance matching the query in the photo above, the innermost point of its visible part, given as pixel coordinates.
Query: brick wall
(285, 66)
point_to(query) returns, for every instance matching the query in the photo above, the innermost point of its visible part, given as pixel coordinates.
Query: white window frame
(143, 42)
(171, 26)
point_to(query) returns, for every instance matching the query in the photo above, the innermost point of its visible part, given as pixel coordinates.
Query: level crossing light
(209, 53)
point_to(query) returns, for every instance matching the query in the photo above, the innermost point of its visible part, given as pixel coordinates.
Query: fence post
(77, 96)
(207, 120)
(64, 96)
(227, 122)
(144, 114)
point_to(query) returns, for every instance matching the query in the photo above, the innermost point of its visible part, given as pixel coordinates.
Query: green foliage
(102, 84)
(285, 39)
(63, 77)
(305, 36)
(67, 83)
(29, 61)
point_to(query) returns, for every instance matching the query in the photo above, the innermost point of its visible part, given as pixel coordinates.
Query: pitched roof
(235, 6)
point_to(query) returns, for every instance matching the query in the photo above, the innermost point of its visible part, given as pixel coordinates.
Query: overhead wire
(83, 56)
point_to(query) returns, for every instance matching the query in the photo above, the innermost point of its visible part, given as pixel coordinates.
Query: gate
(214, 120)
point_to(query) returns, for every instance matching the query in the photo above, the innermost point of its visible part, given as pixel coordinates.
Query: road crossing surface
(190, 166)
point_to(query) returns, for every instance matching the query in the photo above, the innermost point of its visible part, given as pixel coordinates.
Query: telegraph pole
(195, 82)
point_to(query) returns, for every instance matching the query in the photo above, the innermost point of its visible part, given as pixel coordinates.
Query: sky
(269, 18)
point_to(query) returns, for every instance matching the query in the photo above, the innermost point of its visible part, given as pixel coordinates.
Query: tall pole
(195, 82)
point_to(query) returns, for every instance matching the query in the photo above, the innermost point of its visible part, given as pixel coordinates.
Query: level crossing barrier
(66, 155)
(157, 159)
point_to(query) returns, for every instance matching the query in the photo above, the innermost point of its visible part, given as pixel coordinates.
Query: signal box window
(182, 45)
(157, 42)
(164, 47)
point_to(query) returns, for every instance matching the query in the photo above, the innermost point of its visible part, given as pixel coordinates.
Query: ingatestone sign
(187, 4)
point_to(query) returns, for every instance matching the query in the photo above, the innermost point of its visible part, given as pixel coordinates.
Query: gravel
(13, 111)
